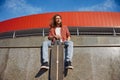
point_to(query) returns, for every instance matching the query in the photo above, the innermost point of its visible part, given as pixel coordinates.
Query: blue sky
(16, 8)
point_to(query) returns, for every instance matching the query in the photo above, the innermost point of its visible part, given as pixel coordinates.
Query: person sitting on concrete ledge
(58, 32)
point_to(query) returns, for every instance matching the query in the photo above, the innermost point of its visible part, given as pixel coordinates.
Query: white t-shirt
(58, 32)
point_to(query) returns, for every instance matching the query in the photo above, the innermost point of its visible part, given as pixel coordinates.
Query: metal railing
(73, 30)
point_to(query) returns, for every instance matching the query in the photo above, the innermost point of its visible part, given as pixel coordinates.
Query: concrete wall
(90, 63)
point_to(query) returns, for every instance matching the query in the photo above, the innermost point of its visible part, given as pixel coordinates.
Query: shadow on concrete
(65, 72)
(41, 71)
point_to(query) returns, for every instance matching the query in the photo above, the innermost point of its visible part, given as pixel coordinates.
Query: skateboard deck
(57, 63)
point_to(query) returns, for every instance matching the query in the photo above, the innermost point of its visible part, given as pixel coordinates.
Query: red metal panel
(76, 19)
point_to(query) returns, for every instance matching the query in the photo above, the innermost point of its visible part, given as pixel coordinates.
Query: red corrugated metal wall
(75, 19)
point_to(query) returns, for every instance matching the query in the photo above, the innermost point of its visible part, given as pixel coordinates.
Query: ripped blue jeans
(68, 50)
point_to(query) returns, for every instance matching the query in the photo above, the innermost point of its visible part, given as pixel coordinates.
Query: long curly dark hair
(53, 21)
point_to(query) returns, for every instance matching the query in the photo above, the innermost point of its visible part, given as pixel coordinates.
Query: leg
(44, 54)
(45, 46)
(68, 50)
(68, 54)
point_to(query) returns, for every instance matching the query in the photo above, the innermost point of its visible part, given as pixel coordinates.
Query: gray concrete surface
(90, 63)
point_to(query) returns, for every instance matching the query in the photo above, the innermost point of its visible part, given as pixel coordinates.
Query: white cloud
(105, 6)
(21, 7)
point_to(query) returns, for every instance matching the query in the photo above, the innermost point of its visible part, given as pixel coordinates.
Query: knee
(70, 43)
(44, 43)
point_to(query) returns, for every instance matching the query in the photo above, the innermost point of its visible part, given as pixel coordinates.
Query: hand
(57, 37)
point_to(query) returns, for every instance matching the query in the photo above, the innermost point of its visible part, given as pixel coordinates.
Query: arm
(68, 34)
(68, 38)
(51, 34)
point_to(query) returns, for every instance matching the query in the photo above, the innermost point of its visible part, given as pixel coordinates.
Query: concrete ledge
(101, 63)
(95, 58)
(106, 45)
(78, 41)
